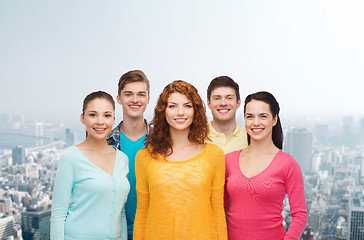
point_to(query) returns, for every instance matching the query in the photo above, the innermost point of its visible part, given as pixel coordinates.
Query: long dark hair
(268, 98)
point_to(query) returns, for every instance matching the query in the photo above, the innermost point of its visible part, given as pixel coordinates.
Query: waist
(277, 233)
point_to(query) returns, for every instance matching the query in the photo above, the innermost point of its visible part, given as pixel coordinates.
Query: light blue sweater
(96, 210)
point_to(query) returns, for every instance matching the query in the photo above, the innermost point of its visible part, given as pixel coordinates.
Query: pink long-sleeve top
(254, 205)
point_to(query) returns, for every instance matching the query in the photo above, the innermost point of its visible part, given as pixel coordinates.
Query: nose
(223, 101)
(180, 111)
(99, 120)
(256, 121)
(134, 98)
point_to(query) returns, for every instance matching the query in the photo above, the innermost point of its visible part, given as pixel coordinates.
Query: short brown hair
(223, 81)
(159, 139)
(133, 76)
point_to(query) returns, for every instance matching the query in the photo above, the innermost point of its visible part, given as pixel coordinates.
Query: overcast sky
(309, 54)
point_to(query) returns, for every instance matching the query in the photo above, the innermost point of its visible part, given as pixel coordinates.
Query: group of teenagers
(178, 177)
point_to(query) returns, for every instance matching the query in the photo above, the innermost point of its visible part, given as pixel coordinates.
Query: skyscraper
(6, 227)
(356, 223)
(361, 131)
(299, 144)
(36, 224)
(322, 133)
(70, 137)
(18, 154)
(347, 134)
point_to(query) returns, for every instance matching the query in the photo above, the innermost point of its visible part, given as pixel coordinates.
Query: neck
(226, 127)
(95, 145)
(263, 146)
(180, 138)
(133, 127)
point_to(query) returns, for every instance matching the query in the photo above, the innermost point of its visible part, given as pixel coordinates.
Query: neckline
(189, 159)
(101, 169)
(122, 135)
(260, 173)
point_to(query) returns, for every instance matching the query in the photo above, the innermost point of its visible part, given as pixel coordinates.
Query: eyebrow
(176, 103)
(219, 95)
(258, 114)
(134, 92)
(93, 111)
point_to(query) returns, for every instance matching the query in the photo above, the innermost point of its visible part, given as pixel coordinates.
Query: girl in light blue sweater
(91, 185)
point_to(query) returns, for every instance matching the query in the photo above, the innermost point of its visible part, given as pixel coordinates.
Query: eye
(108, 115)
(230, 98)
(188, 106)
(92, 114)
(172, 106)
(216, 98)
(249, 117)
(142, 94)
(127, 94)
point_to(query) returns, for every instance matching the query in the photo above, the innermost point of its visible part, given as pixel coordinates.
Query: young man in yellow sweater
(223, 99)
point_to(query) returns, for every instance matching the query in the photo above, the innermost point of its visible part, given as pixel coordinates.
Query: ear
(275, 120)
(118, 99)
(148, 99)
(208, 104)
(238, 105)
(82, 119)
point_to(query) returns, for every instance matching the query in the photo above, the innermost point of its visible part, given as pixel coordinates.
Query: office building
(18, 154)
(36, 224)
(356, 223)
(299, 144)
(7, 227)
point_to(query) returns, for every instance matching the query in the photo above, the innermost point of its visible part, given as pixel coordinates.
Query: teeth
(180, 120)
(257, 130)
(223, 110)
(134, 106)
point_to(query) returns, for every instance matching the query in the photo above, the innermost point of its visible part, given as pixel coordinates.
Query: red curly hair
(159, 139)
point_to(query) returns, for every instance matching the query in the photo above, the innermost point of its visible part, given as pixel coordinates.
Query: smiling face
(179, 112)
(98, 118)
(223, 104)
(134, 99)
(259, 121)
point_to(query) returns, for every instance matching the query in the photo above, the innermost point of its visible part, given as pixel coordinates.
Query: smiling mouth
(257, 129)
(134, 106)
(223, 110)
(100, 130)
(180, 120)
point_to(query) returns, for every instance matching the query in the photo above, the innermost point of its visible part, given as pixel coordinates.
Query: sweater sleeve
(124, 228)
(217, 196)
(142, 196)
(297, 202)
(62, 190)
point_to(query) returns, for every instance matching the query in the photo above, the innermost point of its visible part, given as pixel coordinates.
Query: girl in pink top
(259, 176)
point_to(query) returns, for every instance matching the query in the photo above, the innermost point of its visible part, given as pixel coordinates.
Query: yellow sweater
(180, 199)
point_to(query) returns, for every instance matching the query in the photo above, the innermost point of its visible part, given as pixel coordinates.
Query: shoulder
(70, 153)
(231, 159)
(143, 152)
(113, 136)
(232, 155)
(286, 157)
(287, 161)
(143, 155)
(214, 149)
(69, 157)
(121, 155)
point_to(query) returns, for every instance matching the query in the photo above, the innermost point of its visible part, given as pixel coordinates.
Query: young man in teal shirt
(129, 135)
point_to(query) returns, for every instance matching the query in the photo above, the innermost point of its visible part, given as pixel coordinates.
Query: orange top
(180, 199)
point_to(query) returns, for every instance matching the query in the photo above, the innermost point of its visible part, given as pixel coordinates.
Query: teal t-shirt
(130, 148)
